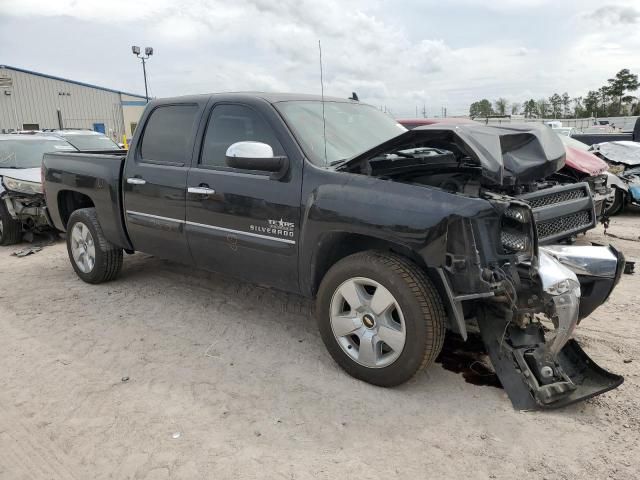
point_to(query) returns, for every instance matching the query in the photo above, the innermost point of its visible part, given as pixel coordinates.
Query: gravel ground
(169, 373)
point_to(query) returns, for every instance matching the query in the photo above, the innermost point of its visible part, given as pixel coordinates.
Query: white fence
(624, 124)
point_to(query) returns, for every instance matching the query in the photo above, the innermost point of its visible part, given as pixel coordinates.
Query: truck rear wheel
(380, 317)
(92, 256)
(10, 229)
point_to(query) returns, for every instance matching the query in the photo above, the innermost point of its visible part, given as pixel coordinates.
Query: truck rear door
(241, 222)
(155, 180)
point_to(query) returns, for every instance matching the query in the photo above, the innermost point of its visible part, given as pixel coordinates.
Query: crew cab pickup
(399, 235)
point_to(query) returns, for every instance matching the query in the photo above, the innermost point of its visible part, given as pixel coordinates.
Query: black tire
(422, 307)
(616, 206)
(11, 230)
(108, 257)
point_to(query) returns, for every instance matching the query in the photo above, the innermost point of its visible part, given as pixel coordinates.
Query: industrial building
(34, 101)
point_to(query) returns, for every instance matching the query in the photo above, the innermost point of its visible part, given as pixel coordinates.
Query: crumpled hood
(585, 162)
(625, 152)
(510, 154)
(26, 174)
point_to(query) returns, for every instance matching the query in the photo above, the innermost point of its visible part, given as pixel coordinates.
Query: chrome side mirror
(256, 156)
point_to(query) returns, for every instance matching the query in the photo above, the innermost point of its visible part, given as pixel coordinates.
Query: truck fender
(334, 246)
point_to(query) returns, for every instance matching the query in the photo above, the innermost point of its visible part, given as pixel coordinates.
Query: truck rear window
(168, 134)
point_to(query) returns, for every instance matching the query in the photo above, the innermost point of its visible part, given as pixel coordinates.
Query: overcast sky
(395, 53)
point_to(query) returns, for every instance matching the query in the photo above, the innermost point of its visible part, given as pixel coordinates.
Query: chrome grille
(568, 223)
(556, 197)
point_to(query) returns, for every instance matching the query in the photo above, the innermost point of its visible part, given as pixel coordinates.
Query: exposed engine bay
(521, 162)
(445, 167)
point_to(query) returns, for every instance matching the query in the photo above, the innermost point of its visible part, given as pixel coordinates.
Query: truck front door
(242, 222)
(155, 181)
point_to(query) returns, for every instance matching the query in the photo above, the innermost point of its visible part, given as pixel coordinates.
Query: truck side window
(229, 124)
(168, 133)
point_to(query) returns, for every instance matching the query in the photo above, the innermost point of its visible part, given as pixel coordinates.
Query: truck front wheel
(380, 317)
(93, 257)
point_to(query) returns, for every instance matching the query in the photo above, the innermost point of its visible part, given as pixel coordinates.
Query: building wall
(29, 98)
(132, 108)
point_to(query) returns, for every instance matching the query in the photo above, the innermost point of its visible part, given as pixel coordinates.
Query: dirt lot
(229, 380)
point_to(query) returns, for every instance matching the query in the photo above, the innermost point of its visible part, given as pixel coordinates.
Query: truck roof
(271, 97)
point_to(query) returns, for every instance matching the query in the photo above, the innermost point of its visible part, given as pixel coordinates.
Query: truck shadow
(140, 266)
(467, 358)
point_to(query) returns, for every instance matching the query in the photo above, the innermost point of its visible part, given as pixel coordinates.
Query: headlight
(22, 186)
(516, 230)
(556, 278)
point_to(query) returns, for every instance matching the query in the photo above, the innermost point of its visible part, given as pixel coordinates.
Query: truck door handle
(136, 181)
(201, 190)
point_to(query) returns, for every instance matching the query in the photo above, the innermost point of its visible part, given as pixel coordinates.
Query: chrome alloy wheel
(83, 248)
(367, 322)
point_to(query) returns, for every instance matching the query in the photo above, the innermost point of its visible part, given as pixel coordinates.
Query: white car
(22, 205)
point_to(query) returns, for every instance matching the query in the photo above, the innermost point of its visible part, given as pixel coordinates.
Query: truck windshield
(351, 128)
(28, 152)
(90, 141)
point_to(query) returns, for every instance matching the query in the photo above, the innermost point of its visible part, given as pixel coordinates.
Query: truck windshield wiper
(403, 154)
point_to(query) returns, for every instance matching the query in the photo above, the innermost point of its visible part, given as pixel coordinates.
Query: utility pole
(148, 51)
(424, 110)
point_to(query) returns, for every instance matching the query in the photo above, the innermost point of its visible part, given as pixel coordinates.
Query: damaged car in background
(623, 158)
(398, 235)
(22, 206)
(581, 165)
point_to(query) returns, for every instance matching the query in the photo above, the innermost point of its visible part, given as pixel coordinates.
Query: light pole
(148, 51)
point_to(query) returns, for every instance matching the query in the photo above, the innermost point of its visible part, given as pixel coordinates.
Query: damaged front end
(526, 302)
(524, 299)
(28, 209)
(540, 368)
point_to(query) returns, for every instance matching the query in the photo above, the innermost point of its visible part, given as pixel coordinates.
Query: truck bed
(95, 178)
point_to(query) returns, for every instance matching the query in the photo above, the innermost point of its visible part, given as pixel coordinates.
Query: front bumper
(543, 369)
(30, 210)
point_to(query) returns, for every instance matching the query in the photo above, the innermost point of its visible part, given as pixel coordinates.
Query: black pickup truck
(399, 235)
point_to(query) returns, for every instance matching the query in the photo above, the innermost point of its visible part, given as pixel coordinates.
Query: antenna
(324, 122)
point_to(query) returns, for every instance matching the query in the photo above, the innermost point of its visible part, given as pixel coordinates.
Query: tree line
(612, 99)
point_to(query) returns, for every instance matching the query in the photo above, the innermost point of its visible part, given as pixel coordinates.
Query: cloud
(611, 15)
(370, 46)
